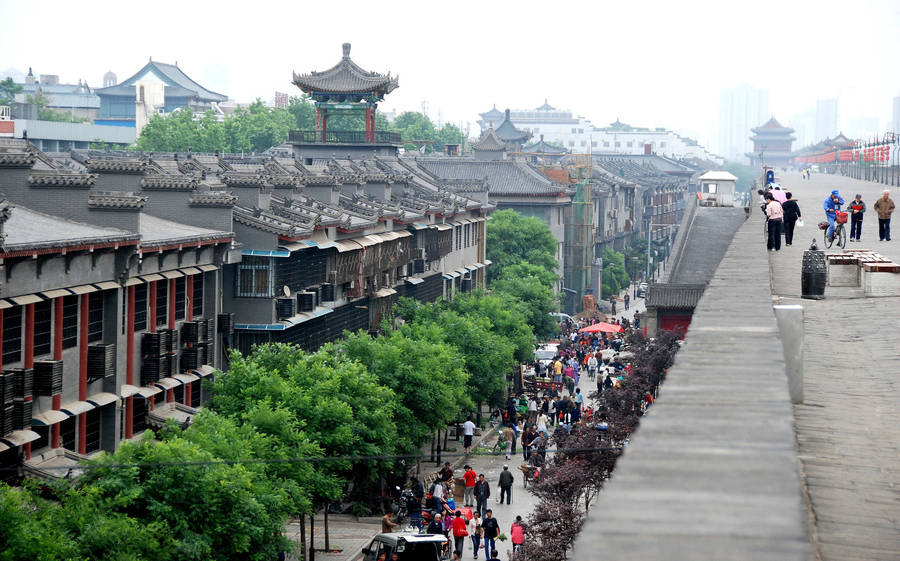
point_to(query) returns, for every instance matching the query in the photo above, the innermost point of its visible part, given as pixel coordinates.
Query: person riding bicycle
(832, 204)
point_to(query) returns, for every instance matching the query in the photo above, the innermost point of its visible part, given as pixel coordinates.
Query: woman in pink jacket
(517, 534)
(775, 215)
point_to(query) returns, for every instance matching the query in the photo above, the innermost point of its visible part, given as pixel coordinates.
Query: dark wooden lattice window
(162, 302)
(140, 307)
(179, 298)
(92, 433)
(12, 335)
(67, 433)
(255, 278)
(95, 317)
(197, 296)
(70, 322)
(43, 325)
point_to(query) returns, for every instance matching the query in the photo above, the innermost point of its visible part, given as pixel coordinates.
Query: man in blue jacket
(833, 203)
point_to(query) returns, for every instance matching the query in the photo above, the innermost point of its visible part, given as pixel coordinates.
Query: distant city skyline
(662, 74)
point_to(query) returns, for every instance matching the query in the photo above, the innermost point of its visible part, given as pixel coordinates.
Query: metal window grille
(197, 296)
(12, 335)
(254, 278)
(95, 317)
(43, 323)
(140, 307)
(179, 297)
(162, 302)
(70, 322)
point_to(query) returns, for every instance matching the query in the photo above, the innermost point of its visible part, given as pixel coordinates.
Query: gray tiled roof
(29, 229)
(508, 132)
(504, 177)
(345, 77)
(158, 231)
(490, 142)
(674, 295)
(179, 84)
(116, 200)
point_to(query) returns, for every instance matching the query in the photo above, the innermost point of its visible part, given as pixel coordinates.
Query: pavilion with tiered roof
(345, 88)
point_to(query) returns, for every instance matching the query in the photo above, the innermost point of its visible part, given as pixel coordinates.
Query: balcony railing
(345, 137)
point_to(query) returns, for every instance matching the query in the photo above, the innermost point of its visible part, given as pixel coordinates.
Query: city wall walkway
(712, 473)
(848, 428)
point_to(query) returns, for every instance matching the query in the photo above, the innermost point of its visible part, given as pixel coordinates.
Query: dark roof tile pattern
(115, 200)
(490, 142)
(28, 229)
(168, 182)
(58, 179)
(345, 77)
(674, 296)
(504, 177)
(114, 165)
(212, 199)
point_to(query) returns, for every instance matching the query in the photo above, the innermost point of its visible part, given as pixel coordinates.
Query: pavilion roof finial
(346, 48)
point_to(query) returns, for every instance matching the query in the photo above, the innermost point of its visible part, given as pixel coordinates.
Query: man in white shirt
(468, 432)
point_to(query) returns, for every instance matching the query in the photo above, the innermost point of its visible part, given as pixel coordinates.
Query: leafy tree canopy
(513, 238)
(8, 91)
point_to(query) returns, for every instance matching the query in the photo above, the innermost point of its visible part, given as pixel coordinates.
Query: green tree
(532, 287)
(425, 374)
(8, 91)
(257, 128)
(508, 316)
(615, 277)
(512, 238)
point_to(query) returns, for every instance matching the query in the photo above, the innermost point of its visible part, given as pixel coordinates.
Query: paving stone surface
(848, 428)
(712, 473)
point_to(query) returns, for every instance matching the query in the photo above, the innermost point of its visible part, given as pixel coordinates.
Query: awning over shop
(206, 268)
(419, 225)
(443, 227)
(107, 285)
(385, 292)
(148, 391)
(168, 383)
(367, 241)
(128, 390)
(26, 299)
(265, 253)
(4, 304)
(414, 280)
(479, 265)
(488, 262)
(396, 235)
(76, 407)
(190, 271)
(346, 245)
(102, 398)
(205, 370)
(186, 378)
(133, 281)
(172, 274)
(49, 418)
(472, 268)
(152, 277)
(20, 437)
(58, 293)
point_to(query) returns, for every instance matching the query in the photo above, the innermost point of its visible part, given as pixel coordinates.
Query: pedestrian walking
(791, 215)
(469, 478)
(776, 219)
(856, 208)
(475, 532)
(517, 534)
(612, 302)
(884, 206)
(509, 437)
(459, 533)
(491, 529)
(387, 525)
(627, 300)
(468, 432)
(506, 482)
(482, 494)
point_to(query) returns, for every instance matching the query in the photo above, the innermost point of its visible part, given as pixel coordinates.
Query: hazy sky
(646, 62)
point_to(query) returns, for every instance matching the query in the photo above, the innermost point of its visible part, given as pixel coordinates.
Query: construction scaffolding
(578, 247)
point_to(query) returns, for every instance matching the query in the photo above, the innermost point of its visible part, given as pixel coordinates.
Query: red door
(675, 322)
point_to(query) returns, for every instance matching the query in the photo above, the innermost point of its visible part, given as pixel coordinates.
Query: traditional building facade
(771, 145)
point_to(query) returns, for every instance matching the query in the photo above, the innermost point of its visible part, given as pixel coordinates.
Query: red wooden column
(29, 354)
(84, 302)
(369, 132)
(129, 362)
(151, 299)
(57, 355)
(189, 297)
(1, 340)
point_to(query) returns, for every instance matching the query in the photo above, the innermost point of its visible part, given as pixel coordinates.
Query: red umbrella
(601, 327)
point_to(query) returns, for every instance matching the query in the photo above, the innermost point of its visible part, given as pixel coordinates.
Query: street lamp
(649, 241)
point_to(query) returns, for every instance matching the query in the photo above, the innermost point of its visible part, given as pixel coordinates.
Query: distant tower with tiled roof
(771, 144)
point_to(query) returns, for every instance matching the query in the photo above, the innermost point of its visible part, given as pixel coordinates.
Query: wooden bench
(863, 267)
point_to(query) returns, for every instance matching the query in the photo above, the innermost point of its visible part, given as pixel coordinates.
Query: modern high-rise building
(826, 118)
(740, 109)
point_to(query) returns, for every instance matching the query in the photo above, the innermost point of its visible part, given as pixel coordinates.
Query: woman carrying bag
(791, 217)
